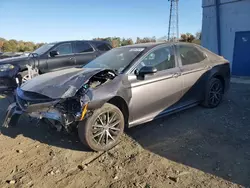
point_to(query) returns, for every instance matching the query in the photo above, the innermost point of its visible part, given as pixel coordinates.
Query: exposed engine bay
(99, 79)
(61, 113)
(72, 108)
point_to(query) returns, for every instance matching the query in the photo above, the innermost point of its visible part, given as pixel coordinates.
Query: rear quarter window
(190, 55)
(83, 47)
(102, 46)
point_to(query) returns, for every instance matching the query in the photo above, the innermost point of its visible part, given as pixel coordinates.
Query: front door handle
(72, 59)
(177, 74)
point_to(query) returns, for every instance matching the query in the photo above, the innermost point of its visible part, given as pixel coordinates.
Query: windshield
(44, 48)
(115, 59)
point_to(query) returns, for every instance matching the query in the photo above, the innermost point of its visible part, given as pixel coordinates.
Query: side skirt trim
(164, 113)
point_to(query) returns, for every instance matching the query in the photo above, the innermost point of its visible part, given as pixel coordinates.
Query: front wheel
(103, 129)
(214, 93)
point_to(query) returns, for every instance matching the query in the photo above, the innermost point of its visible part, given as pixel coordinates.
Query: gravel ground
(195, 148)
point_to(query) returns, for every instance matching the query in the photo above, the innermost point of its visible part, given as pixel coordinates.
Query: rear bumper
(227, 81)
(227, 78)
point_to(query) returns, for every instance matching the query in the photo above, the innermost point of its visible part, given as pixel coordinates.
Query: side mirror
(146, 70)
(54, 53)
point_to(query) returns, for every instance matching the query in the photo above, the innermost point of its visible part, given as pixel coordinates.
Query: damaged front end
(64, 112)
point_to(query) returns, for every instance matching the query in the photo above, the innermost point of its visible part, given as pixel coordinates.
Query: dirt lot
(195, 148)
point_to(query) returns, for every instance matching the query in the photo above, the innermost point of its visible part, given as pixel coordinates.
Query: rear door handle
(177, 74)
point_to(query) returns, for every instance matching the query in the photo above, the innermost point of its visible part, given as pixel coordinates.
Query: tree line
(18, 46)
(22, 46)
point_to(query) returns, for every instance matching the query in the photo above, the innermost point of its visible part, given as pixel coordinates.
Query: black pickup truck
(49, 57)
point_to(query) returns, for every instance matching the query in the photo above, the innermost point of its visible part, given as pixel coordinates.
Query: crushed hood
(60, 84)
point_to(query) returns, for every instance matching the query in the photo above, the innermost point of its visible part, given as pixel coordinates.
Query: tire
(94, 133)
(214, 93)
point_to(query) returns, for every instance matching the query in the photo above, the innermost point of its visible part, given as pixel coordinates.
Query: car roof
(146, 45)
(152, 44)
(96, 41)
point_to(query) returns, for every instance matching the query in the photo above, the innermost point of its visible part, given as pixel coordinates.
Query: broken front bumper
(12, 115)
(36, 109)
(45, 110)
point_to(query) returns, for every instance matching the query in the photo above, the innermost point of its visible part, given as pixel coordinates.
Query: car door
(193, 64)
(84, 53)
(65, 58)
(155, 94)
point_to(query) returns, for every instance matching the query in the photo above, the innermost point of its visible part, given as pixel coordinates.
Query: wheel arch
(220, 77)
(120, 103)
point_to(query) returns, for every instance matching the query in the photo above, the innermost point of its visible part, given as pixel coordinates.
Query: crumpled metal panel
(66, 83)
(60, 84)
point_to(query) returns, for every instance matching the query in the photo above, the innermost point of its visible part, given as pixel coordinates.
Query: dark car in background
(10, 54)
(126, 86)
(49, 57)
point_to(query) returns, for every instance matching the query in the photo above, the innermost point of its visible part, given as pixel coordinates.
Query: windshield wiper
(116, 71)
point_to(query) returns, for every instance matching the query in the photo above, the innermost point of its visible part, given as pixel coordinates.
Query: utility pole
(173, 27)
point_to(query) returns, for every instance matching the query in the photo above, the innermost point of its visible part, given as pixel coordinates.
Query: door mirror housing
(54, 53)
(146, 70)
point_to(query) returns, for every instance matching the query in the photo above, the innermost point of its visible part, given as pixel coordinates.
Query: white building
(226, 31)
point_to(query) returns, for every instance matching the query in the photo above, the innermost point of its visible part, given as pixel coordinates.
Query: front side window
(64, 49)
(190, 55)
(162, 59)
(83, 47)
(44, 48)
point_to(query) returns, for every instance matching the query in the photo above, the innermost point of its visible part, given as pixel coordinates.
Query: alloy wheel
(216, 93)
(106, 128)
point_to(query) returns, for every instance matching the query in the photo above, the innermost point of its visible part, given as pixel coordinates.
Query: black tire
(88, 130)
(214, 93)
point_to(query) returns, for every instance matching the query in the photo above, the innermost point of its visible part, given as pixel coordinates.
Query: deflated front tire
(103, 129)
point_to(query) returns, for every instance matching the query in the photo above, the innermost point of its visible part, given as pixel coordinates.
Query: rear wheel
(214, 93)
(103, 129)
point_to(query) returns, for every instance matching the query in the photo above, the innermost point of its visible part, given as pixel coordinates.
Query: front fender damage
(77, 102)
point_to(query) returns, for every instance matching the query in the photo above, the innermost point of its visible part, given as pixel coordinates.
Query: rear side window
(82, 47)
(190, 55)
(64, 49)
(102, 46)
